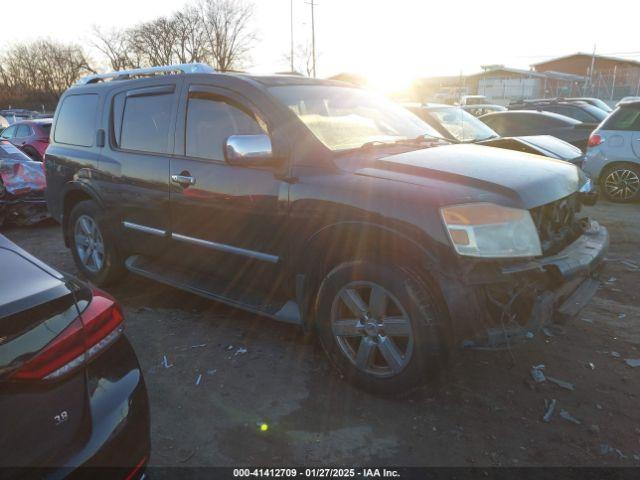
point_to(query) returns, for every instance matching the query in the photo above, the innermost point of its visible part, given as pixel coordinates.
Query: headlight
(491, 231)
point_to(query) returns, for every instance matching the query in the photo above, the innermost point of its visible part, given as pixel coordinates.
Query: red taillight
(594, 140)
(99, 325)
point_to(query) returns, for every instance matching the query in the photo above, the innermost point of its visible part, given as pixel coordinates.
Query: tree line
(217, 32)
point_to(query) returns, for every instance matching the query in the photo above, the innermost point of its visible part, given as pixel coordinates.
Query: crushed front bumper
(508, 302)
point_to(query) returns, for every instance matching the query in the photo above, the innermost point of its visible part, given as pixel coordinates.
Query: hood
(553, 146)
(528, 180)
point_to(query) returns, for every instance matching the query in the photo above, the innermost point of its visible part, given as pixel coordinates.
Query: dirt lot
(256, 371)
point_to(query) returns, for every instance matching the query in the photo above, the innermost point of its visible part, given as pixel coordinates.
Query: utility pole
(292, 67)
(313, 38)
(613, 82)
(593, 64)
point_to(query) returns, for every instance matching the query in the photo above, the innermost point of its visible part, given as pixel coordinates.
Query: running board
(287, 312)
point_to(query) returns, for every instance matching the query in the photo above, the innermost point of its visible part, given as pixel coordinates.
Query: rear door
(135, 162)
(231, 220)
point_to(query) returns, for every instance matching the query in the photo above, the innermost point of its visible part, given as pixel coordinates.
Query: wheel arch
(74, 193)
(334, 244)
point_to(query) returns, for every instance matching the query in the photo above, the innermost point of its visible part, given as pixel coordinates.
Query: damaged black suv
(323, 205)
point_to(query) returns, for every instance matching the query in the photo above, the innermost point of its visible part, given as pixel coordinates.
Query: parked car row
(609, 138)
(456, 124)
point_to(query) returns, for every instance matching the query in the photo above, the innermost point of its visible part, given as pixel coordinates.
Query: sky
(388, 41)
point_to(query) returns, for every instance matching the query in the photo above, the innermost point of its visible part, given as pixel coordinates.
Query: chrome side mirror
(248, 149)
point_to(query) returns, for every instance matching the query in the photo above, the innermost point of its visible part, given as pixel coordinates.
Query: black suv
(323, 205)
(579, 110)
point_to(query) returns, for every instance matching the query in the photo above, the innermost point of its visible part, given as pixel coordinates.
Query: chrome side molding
(265, 257)
(145, 229)
(222, 247)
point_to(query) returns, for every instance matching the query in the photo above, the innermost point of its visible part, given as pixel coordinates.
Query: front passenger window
(211, 120)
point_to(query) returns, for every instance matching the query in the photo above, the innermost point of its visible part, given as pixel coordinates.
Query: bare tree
(302, 59)
(190, 38)
(39, 72)
(218, 32)
(229, 33)
(115, 46)
(153, 42)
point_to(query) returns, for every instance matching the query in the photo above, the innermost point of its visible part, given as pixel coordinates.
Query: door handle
(183, 180)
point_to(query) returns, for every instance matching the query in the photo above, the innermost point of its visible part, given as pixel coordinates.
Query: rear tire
(93, 246)
(381, 327)
(621, 183)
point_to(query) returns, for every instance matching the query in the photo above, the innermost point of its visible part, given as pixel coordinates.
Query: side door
(134, 166)
(230, 220)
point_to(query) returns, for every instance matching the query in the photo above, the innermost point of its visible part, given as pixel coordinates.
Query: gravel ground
(255, 371)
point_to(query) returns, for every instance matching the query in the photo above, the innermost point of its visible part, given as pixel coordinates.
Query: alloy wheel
(89, 243)
(622, 184)
(372, 328)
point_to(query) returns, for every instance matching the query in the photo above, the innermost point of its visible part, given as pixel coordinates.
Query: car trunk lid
(39, 419)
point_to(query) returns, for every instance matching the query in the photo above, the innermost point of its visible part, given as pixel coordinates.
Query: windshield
(461, 124)
(344, 118)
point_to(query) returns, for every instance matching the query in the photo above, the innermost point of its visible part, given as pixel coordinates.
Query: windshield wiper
(426, 136)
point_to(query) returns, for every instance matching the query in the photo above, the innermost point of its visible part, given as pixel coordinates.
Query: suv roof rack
(126, 74)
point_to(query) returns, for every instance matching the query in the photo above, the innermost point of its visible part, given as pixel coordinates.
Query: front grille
(557, 223)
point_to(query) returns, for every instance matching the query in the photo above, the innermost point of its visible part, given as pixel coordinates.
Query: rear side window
(76, 123)
(626, 118)
(23, 131)
(145, 122)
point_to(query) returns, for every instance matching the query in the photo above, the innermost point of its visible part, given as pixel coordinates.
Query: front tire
(621, 183)
(94, 250)
(380, 326)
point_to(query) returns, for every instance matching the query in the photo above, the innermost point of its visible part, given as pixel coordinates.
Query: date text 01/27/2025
(316, 472)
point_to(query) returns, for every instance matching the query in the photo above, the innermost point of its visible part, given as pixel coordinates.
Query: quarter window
(211, 120)
(23, 131)
(76, 122)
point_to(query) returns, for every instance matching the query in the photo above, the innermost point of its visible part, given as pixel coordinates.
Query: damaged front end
(22, 187)
(504, 301)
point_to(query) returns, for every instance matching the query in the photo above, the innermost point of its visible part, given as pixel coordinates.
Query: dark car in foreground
(516, 123)
(456, 124)
(323, 205)
(30, 136)
(613, 157)
(71, 390)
